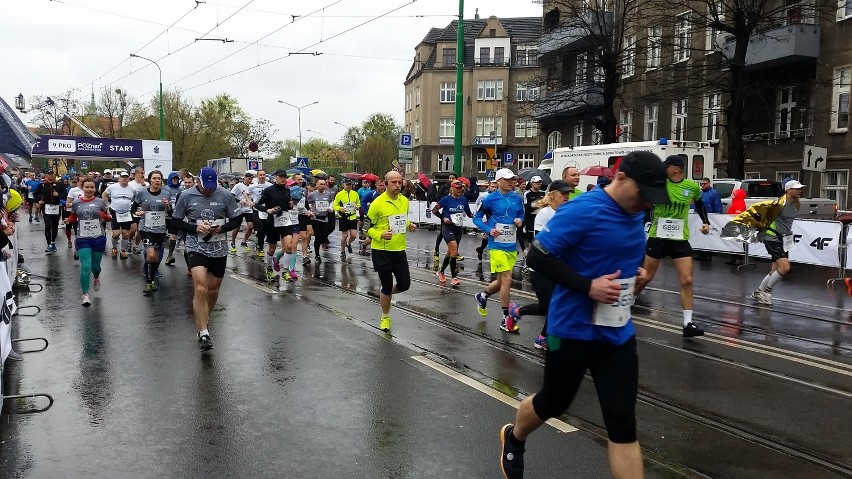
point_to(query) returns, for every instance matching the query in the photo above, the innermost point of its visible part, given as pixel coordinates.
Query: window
(449, 57)
(580, 69)
(679, 120)
(715, 14)
(629, 63)
(655, 46)
(651, 112)
(597, 136)
(752, 175)
(484, 55)
(526, 160)
(600, 75)
(521, 92)
(787, 174)
(416, 129)
(626, 121)
(447, 128)
(481, 162)
(448, 92)
(712, 109)
(697, 167)
(840, 99)
(554, 140)
(417, 96)
(578, 135)
(526, 55)
(784, 115)
(499, 55)
(844, 9)
(682, 37)
(489, 90)
(526, 128)
(835, 186)
(408, 101)
(532, 92)
(485, 126)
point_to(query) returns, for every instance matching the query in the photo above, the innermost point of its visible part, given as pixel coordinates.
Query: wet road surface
(302, 384)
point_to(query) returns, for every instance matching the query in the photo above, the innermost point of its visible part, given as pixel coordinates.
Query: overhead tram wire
(304, 48)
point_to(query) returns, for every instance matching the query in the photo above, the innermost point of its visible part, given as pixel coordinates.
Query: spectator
(710, 197)
(737, 202)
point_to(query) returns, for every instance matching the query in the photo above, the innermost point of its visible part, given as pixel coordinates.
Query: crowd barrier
(816, 242)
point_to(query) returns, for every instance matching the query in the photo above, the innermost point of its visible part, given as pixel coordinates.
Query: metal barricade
(846, 219)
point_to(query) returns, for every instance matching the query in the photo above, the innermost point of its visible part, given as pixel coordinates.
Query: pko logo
(69, 146)
(156, 150)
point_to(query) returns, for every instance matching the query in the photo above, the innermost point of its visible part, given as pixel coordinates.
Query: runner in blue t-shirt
(592, 249)
(452, 209)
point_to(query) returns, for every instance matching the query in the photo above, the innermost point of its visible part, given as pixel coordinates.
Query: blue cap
(208, 178)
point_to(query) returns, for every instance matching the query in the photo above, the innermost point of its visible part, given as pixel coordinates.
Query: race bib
(616, 314)
(218, 237)
(457, 218)
(89, 228)
(398, 223)
(349, 208)
(262, 215)
(669, 228)
(322, 206)
(51, 209)
(155, 219)
(507, 233)
(787, 243)
(125, 217)
(294, 217)
(30, 196)
(282, 220)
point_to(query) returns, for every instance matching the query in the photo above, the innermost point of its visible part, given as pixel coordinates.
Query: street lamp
(299, 110)
(354, 167)
(318, 133)
(162, 130)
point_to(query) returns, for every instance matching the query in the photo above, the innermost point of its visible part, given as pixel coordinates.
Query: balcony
(569, 101)
(779, 46)
(576, 33)
(774, 137)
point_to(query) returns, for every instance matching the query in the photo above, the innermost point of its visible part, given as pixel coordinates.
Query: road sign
(490, 175)
(405, 140)
(508, 158)
(814, 158)
(301, 162)
(253, 165)
(84, 164)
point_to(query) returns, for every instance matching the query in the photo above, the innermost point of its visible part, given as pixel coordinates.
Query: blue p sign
(405, 140)
(508, 158)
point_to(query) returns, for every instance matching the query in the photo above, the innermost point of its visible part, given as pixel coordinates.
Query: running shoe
(149, 288)
(441, 277)
(69, 244)
(86, 301)
(246, 247)
(48, 250)
(260, 254)
(294, 275)
(691, 331)
(764, 297)
(276, 264)
(53, 247)
(204, 343)
(509, 325)
(349, 248)
(459, 258)
(123, 254)
(270, 274)
(233, 248)
(343, 255)
(96, 285)
(455, 282)
(515, 311)
(286, 276)
(170, 261)
(31, 219)
(755, 295)
(436, 254)
(306, 260)
(114, 253)
(540, 342)
(37, 220)
(76, 256)
(482, 304)
(511, 457)
(385, 323)
(318, 259)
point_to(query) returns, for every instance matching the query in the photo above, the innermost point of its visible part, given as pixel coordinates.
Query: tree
(111, 107)
(50, 119)
(377, 155)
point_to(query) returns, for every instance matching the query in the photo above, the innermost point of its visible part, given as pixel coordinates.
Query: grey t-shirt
(154, 220)
(89, 223)
(193, 207)
(326, 199)
(784, 221)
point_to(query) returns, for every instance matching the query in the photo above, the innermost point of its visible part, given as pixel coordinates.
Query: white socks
(687, 316)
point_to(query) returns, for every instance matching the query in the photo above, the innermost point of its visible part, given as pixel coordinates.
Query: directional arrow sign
(814, 158)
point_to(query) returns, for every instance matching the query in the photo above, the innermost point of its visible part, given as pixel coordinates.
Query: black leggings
(543, 288)
(51, 228)
(615, 371)
(321, 231)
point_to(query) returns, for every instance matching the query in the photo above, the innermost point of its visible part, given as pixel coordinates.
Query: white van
(698, 156)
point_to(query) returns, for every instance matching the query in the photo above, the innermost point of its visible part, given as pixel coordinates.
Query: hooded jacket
(737, 202)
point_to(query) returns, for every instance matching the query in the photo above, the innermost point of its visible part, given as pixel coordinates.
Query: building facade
(499, 88)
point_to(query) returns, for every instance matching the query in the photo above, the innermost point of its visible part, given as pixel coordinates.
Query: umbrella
(15, 139)
(321, 175)
(353, 176)
(528, 173)
(424, 180)
(295, 171)
(597, 171)
(369, 177)
(318, 171)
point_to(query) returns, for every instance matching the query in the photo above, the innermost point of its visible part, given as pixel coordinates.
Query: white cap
(107, 171)
(124, 173)
(793, 184)
(250, 172)
(535, 179)
(504, 173)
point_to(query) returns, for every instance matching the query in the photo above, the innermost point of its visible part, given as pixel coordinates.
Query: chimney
(476, 15)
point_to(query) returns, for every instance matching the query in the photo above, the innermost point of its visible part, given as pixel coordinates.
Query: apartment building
(500, 84)
(672, 83)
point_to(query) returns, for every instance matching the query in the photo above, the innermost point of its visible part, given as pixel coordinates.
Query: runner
(138, 183)
(119, 197)
(255, 189)
(241, 193)
(49, 194)
(380, 187)
(592, 250)
(531, 196)
(152, 205)
(346, 204)
(388, 222)
(443, 191)
(276, 202)
(90, 213)
(73, 193)
(320, 205)
(32, 183)
(173, 187)
(492, 187)
(306, 229)
(206, 213)
(452, 210)
(504, 210)
(106, 180)
(669, 236)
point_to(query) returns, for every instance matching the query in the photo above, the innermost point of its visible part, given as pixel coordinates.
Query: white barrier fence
(817, 242)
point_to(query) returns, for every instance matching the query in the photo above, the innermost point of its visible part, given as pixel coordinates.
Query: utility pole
(459, 122)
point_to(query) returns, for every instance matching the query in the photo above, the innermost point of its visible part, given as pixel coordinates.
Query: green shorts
(502, 260)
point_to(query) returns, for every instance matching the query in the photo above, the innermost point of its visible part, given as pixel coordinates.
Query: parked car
(761, 190)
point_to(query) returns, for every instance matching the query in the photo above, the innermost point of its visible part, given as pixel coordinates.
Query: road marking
(796, 357)
(252, 282)
(556, 423)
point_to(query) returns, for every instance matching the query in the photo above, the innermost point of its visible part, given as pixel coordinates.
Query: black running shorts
(659, 248)
(215, 266)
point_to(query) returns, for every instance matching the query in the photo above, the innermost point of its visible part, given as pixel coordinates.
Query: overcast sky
(50, 47)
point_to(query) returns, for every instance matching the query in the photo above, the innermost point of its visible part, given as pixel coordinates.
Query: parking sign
(405, 140)
(508, 158)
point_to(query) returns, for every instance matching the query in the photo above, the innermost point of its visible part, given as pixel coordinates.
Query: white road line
(556, 423)
(253, 283)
